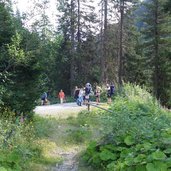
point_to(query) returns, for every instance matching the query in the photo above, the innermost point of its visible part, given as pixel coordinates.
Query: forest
(117, 41)
(125, 41)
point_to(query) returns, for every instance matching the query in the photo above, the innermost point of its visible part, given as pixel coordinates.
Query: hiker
(88, 92)
(109, 100)
(44, 98)
(97, 94)
(61, 96)
(76, 93)
(84, 95)
(110, 91)
(80, 97)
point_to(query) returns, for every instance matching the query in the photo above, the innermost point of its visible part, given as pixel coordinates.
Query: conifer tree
(157, 43)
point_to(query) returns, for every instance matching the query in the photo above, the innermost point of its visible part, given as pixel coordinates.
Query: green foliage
(23, 144)
(16, 139)
(79, 135)
(43, 127)
(14, 50)
(137, 135)
(20, 65)
(156, 39)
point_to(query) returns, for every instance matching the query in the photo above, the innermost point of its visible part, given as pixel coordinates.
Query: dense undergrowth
(136, 135)
(16, 143)
(24, 145)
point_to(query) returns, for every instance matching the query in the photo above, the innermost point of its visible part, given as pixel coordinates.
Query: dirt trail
(69, 156)
(70, 162)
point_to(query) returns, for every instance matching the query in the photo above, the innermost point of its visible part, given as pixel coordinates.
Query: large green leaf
(156, 166)
(150, 167)
(129, 161)
(124, 153)
(111, 166)
(129, 140)
(158, 155)
(161, 165)
(167, 151)
(141, 168)
(140, 158)
(147, 146)
(107, 155)
(167, 140)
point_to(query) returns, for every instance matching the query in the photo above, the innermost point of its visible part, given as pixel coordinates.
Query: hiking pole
(88, 106)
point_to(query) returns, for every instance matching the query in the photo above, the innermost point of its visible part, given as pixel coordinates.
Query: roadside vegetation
(23, 146)
(136, 136)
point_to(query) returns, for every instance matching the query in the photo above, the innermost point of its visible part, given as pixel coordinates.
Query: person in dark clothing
(88, 92)
(97, 94)
(44, 98)
(76, 93)
(110, 91)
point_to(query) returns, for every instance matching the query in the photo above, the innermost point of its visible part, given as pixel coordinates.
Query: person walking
(88, 91)
(76, 93)
(109, 100)
(61, 96)
(110, 92)
(80, 97)
(97, 94)
(44, 99)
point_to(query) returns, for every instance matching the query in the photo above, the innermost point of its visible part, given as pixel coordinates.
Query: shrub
(138, 135)
(17, 146)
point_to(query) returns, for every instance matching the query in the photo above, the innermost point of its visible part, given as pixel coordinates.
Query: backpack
(88, 89)
(76, 94)
(112, 89)
(44, 96)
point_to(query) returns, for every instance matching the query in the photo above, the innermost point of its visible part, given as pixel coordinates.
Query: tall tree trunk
(156, 51)
(72, 67)
(78, 27)
(120, 58)
(104, 57)
(101, 44)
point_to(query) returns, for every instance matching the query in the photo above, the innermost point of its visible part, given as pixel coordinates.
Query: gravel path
(60, 110)
(70, 162)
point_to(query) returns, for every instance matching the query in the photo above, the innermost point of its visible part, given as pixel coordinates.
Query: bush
(138, 135)
(17, 146)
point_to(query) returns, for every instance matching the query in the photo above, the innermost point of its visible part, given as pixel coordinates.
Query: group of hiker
(82, 95)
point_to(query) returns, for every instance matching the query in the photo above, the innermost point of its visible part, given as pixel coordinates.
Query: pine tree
(76, 25)
(133, 60)
(157, 39)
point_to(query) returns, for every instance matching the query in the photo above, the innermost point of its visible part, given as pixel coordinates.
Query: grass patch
(48, 155)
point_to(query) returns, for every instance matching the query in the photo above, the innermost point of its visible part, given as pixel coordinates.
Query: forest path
(69, 153)
(70, 161)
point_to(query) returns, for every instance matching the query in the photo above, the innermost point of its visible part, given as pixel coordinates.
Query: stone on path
(69, 163)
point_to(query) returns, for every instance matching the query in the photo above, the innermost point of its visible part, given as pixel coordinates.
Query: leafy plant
(137, 134)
